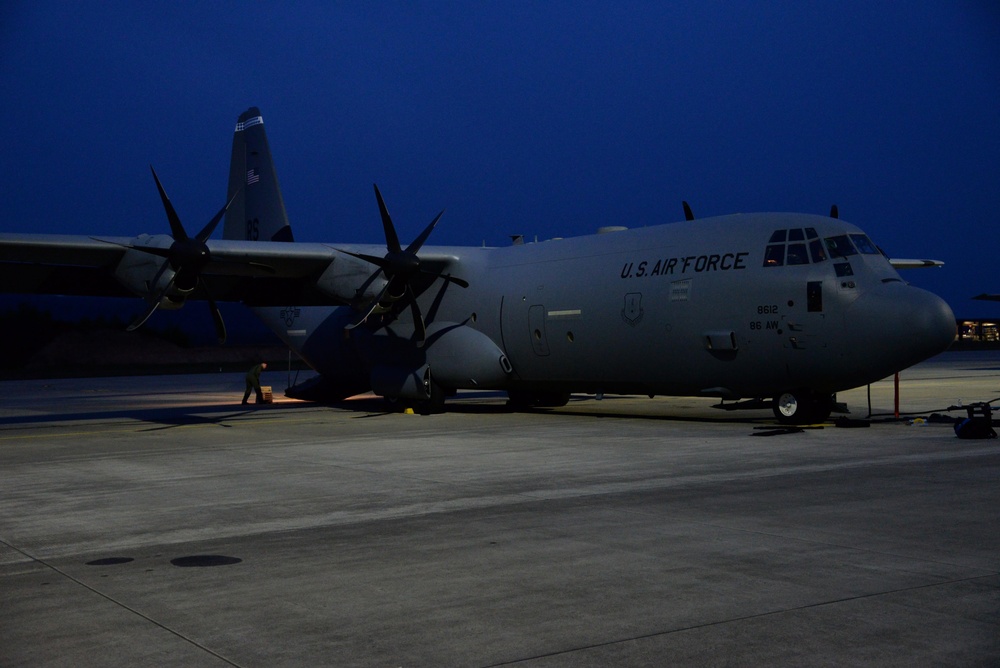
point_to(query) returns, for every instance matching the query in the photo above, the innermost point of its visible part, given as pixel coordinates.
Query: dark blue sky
(541, 118)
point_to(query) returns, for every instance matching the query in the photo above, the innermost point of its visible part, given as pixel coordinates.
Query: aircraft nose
(898, 325)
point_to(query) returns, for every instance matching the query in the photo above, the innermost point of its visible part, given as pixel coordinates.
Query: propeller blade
(371, 307)
(377, 261)
(152, 250)
(144, 316)
(419, 241)
(391, 239)
(220, 325)
(153, 303)
(418, 318)
(176, 229)
(206, 231)
(460, 282)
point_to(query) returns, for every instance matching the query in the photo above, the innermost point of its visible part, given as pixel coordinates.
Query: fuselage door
(805, 331)
(536, 330)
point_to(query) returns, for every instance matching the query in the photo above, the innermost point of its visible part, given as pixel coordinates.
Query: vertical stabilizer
(258, 212)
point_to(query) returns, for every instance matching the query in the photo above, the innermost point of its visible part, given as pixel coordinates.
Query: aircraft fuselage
(736, 306)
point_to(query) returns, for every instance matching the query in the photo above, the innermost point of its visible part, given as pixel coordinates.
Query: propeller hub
(190, 254)
(402, 263)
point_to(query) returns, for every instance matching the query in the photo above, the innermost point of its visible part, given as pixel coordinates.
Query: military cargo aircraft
(786, 308)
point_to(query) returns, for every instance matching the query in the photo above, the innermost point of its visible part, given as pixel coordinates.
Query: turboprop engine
(166, 269)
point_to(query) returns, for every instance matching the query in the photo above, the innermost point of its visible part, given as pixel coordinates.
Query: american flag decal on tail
(252, 177)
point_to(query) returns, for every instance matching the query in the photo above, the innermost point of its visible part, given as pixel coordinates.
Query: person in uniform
(253, 383)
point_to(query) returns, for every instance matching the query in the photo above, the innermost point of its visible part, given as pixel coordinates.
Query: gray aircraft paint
(687, 308)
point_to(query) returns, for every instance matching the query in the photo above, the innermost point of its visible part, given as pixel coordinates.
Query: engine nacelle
(463, 357)
(400, 382)
(458, 356)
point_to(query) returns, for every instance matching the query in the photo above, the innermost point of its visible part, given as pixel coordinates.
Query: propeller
(187, 257)
(400, 266)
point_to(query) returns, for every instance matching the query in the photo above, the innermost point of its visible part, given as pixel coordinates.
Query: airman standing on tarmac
(253, 383)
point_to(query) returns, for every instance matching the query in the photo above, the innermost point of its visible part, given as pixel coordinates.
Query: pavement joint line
(722, 622)
(120, 604)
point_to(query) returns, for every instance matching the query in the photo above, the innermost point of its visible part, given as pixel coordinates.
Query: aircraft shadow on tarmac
(165, 417)
(469, 403)
(578, 406)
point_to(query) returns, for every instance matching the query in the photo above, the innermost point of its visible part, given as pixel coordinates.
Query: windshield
(864, 244)
(840, 246)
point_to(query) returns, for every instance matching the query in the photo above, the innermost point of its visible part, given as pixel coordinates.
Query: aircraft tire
(801, 407)
(435, 404)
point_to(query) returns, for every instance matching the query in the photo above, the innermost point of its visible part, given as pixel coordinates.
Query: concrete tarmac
(155, 521)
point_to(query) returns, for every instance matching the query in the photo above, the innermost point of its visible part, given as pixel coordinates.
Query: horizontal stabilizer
(900, 263)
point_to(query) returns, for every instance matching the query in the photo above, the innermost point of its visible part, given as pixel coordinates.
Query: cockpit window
(797, 254)
(798, 246)
(840, 246)
(864, 244)
(816, 249)
(774, 256)
(794, 247)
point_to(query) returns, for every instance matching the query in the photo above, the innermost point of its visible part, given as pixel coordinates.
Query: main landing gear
(802, 407)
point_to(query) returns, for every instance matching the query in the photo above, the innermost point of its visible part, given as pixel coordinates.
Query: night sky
(539, 118)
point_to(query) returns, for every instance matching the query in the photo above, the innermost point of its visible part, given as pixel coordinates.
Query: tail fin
(258, 212)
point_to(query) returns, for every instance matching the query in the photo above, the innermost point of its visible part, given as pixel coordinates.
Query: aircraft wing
(59, 264)
(900, 263)
(256, 273)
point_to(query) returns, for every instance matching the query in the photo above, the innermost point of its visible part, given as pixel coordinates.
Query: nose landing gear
(802, 407)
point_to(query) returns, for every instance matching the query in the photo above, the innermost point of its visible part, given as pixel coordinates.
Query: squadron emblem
(289, 315)
(632, 313)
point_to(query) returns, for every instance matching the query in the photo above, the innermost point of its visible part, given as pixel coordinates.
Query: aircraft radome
(785, 307)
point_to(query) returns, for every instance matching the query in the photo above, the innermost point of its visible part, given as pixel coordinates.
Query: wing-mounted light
(399, 268)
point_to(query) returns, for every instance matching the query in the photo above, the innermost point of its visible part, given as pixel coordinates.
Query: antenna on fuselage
(688, 214)
(834, 211)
